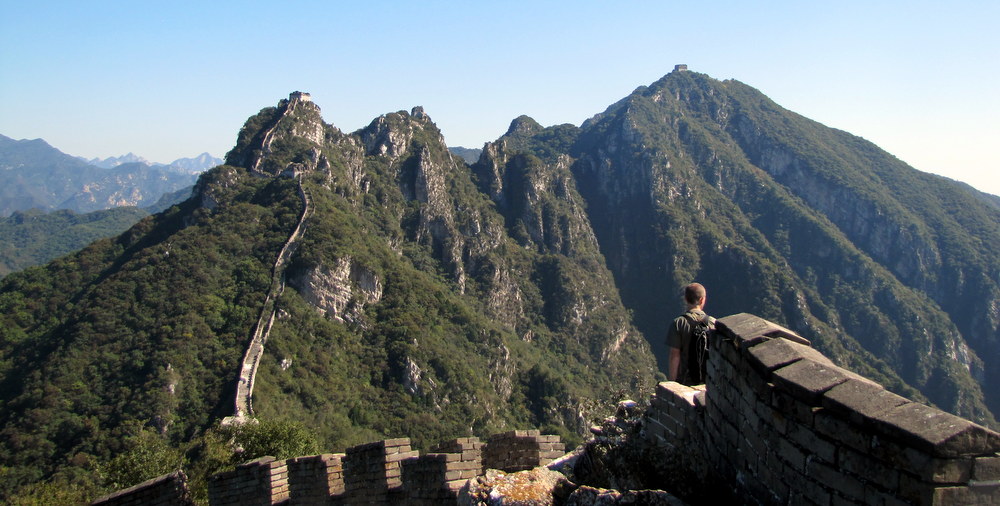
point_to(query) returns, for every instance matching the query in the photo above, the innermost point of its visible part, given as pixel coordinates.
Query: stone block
(836, 428)
(935, 432)
(914, 490)
(985, 493)
(836, 480)
(792, 407)
(954, 470)
(860, 400)
(727, 352)
(771, 354)
(772, 418)
(986, 468)
(747, 330)
(874, 495)
(807, 380)
(791, 455)
(804, 490)
(872, 470)
(756, 383)
(816, 445)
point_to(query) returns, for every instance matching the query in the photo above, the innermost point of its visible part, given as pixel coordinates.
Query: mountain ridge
(432, 298)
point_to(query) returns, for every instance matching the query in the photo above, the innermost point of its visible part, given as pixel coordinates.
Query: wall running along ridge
(243, 400)
(777, 421)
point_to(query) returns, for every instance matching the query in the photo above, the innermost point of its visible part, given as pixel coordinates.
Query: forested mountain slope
(408, 310)
(33, 237)
(430, 298)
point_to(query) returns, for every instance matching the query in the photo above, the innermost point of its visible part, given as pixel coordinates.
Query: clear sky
(174, 79)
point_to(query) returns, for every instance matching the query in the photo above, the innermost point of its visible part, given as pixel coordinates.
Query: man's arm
(673, 364)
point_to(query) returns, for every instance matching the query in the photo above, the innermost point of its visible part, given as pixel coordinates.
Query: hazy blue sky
(174, 79)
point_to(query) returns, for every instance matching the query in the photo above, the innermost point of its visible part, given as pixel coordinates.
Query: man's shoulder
(699, 316)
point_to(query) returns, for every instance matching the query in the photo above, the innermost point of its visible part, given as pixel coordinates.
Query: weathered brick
(985, 493)
(860, 400)
(955, 471)
(792, 407)
(837, 429)
(899, 456)
(758, 384)
(772, 354)
(805, 437)
(874, 495)
(986, 468)
(867, 468)
(835, 480)
(772, 418)
(804, 490)
(791, 455)
(915, 491)
(747, 330)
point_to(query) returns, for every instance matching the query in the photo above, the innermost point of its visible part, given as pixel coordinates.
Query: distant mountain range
(34, 175)
(194, 165)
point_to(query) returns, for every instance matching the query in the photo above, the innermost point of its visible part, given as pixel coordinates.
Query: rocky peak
(294, 126)
(390, 134)
(523, 126)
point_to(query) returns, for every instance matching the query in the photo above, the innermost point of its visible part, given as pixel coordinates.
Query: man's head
(694, 295)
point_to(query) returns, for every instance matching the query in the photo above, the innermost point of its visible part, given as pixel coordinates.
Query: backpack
(698, 350)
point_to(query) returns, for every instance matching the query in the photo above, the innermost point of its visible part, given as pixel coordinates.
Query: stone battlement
(380, 472)
(783, 425)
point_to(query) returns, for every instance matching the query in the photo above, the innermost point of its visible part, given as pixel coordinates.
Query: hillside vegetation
(32, 237)
(431, 298)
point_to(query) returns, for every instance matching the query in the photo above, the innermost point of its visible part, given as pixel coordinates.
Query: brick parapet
(169, 489)
(263, 481)
(786, 425)
(521, 450)
(373, 471)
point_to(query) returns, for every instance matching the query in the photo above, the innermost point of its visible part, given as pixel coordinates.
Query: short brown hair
(694, 293)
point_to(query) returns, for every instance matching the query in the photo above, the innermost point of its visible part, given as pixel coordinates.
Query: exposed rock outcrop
(341, 291)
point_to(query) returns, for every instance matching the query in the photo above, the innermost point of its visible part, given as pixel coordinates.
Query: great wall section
(776, 422)
(243, 405)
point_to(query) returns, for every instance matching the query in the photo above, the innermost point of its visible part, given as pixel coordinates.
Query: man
(687, 339)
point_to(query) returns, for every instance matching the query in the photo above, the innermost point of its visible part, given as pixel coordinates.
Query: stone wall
(521, 450)
(436, 478)
(373, 471)
(170, 489)
(258, 482)
(782, 424)
(381, 472)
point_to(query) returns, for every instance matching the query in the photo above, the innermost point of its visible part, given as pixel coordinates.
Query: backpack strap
(693, 319)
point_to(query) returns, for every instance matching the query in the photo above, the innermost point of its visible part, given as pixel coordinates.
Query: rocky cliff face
(530, 262)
